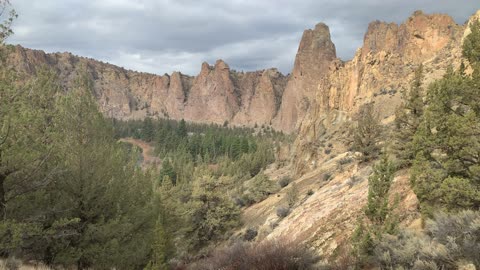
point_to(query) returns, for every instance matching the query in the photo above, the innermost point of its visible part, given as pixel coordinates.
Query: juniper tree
(446, 170)
(407, 119)
(366, 133)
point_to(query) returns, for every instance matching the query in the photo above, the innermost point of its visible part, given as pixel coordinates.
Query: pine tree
(162, 248)
(182, 129)
(168, 172)
(105, 199)
(148, 130)
(407, 120)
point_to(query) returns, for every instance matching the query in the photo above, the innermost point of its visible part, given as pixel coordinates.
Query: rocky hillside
(380, 71)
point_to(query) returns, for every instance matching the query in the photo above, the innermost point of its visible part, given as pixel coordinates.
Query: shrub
(282, 211)
(345, 160)
(449, 240)
(250, 234)
(327, 176)
(292, 195)
(327, 151)
(272, 255)
(284, 181)
(13, 263)
(310, 192)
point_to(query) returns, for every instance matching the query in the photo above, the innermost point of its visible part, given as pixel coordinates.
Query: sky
(162, 36)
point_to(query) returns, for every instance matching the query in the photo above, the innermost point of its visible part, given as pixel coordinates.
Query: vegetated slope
(332, 186)
(148, 157)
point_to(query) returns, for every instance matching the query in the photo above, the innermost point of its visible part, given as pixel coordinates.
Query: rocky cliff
(379, 72)
(216, 95)
(320, 83)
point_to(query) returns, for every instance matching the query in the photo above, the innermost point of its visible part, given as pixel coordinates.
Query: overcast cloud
(161, 36)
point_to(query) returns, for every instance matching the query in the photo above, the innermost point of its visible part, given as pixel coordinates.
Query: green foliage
(366, 133)
(148, 130)
(445, 172)
(448, 242)
(407, 119)
(161, 249)
(259, 188)
(379, 183)
(471, 44)
(8, 15)
(85, 203)
(167, 173)
(211, 215)
(362, 243)
(381, 219)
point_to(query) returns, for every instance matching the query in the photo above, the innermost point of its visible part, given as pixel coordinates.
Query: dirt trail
(149, 159)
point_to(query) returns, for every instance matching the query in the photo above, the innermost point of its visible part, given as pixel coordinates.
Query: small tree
(292, 195)
(148, 130)
(367, 132)
(168, 172)
(407, 120)
(378, 211)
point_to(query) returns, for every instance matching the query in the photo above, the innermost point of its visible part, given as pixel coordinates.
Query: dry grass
(270, 255)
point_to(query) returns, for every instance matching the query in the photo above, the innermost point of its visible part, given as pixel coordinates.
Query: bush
(284, 181)
(13, 263)
(310, 192)
(250, 234)
(282, 211)
(327, 151)
(292, 195)
(345, 160)
(449, 240)
(327, 176)
(278, 255)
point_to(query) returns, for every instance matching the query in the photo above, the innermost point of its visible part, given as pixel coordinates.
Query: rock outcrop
(379, 72)
(315, 53)
(216, 95)
(319, 84)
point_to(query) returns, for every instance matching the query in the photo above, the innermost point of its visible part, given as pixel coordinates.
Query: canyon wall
(320, 84)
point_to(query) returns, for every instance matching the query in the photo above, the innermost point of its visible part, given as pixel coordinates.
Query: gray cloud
(161, 36)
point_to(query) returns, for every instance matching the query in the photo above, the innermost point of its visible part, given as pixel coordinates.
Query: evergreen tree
(182, 129)
(471, 44)
(378, 209)
(168, 172)
(446, 170)
(148, 130)
(407, 120)
(367, 132)
(106, 201)
(211, 214)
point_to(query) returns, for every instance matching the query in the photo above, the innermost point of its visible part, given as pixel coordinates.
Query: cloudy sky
(161, 36)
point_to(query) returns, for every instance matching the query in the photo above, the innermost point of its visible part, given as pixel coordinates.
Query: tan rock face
(216, 95)
(315, 53)
(319, 82)
(378, 73)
